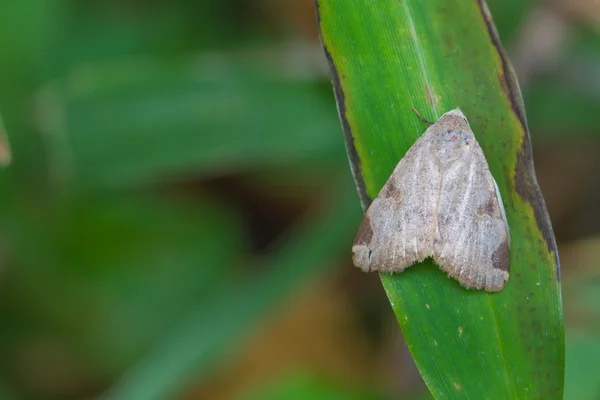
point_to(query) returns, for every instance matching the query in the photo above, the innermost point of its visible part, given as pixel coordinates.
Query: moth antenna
(422, 118)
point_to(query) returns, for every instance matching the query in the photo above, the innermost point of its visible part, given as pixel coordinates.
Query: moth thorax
(452, 145)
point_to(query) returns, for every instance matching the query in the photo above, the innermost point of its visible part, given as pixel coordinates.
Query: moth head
(452, 145)
(455, 113)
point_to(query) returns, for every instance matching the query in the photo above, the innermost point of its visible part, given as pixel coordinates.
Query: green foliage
(307, 251)
(222, 116)
(398, 55)
(114, 271)
(300, 386)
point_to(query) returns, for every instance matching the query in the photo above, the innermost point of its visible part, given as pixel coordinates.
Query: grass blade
(435, 56)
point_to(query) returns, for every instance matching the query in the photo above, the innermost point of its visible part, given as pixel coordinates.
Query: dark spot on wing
(500, 258)
(365, 233)
(389, 190)
(488, 208)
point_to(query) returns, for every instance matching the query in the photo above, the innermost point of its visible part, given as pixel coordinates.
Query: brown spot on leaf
(365, 233)
(503, 84)
(449, 42)
(527, 187)
(429, 95)
(500, 257)
(525, 180)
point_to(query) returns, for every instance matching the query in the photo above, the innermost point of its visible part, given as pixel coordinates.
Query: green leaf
(435, 56)
(581, 290)
(209, 334)
(566, 99)
(135, 120)
(112, 274)
(303, 385)
(582, 371)
(309, 385)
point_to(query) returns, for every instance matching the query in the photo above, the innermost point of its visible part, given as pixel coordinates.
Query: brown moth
(441, 201)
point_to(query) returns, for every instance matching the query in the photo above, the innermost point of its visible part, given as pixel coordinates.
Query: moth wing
(398, 228)
(472, 238)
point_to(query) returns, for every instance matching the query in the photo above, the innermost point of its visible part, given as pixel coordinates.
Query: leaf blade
(436, 56)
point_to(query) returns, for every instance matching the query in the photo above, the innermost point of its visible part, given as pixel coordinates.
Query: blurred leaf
(113, 274)
(582, 297)
(435, 56)
(108, 29)
(556, 109)
(567, 98)
(30, 31)
(583, 364)
(581, 293)
(7, 393)
(510, 16)
(301, 386)
(137, 120)
(208, 335)
(5, 153)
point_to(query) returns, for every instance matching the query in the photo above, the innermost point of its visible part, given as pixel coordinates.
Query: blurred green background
(177, 217)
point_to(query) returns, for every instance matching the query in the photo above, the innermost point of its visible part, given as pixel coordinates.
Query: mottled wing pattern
(440, 201)
(471, 240)
(399, 225)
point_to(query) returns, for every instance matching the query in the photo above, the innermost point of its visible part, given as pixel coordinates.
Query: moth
(440, 201)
